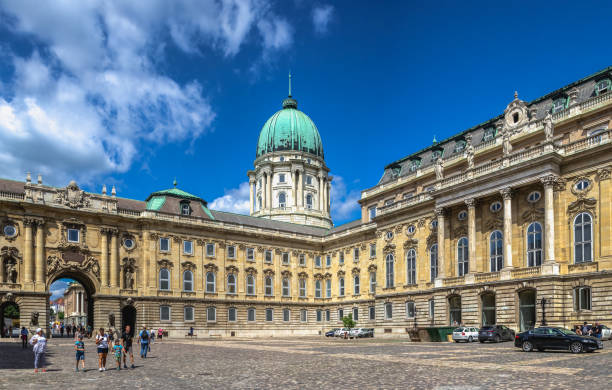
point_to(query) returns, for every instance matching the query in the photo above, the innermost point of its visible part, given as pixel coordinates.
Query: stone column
(251, 185)
(145, 259)
(506, 194)
(40, 252)
(549, 218)
(269, 192)
(114, 259)
(264, 191)
(294, 176)
(471, 204)
(300, 189)
(27, 251)
(441, 261)
(329, 196)
(104, 256)
(324, 195)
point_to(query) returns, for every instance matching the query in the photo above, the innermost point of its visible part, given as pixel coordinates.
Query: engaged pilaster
(471, 205)
(27, 250)
(441, 260)
(114, 261)
(40, 252)
(506, 194)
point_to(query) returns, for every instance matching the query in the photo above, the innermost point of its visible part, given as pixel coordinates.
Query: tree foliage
(11, 311)
(60, 315)
(348, 321)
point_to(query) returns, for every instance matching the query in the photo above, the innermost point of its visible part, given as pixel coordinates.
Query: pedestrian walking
(24, 337)
(79, 347)
(102, 343)
(39, 347)
(143, 340)
(117, 353)
(62, 330)
(127, 337)
(160, 333)
(68, 329)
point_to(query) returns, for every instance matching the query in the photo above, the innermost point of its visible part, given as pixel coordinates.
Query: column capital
(470, 202)
(506, 193)
(549, 180)
(439, 211)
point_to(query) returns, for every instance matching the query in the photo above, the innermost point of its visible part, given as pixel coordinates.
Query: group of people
(589, 330)
(119, 346)
(74, 329)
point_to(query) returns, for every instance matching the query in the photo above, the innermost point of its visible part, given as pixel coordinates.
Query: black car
(496, 333)
(331, 332)
(556, 338)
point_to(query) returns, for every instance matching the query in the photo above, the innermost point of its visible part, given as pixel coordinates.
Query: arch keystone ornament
(75, 262)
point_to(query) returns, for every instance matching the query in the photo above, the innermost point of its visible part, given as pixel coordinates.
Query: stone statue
(129, 279)
(469, 154)
(111, 320)
(11, 273)
(34, 318)
(548, 127)
(507, 146)
(439, 169)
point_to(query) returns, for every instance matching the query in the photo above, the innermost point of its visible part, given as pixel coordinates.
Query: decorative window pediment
(411, 243)
(581, 205)
(231, 269)
(303, 275)
(286, 274)
(165, 263)
(341, 273)
(355, 271)
(372, 268)
(268, 272)
(210, 267)
(250, 271)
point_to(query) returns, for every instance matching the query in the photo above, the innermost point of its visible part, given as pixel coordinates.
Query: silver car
(465, 333)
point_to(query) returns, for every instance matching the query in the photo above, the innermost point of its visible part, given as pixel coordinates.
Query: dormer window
(489, 134)
(515, 117)
(185, 209)
(559, 105)
(282, 200)
(459, 146)
(603, 86)
(414, 165)
(308, 180)
(396, 170)
(435, 154)
(281, 178)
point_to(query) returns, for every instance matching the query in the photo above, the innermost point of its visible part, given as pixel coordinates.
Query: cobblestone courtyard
(315, 363)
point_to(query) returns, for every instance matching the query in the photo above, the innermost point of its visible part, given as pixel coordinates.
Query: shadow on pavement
(13, 356)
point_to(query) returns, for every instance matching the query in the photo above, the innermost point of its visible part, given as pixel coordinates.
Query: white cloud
(321, 16)
(235, 200)
(344, 203)
(82, 103)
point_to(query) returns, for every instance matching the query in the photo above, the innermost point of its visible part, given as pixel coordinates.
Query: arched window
(210, 282)
(268, 286)
(164, 279)
(454, 310)
(497, 251)
(187, 281)
(411, 267)
(341, 287)
(231, 284)
(389, 263)
(463, 260)
(308, 201)
(250, 285)
(286, 291)
(282, 200)
(259, 203)
(583, 237)
(488, 309)
(317, 289)
(356, 285)
(302, 288)
(534, 245)
(433, 262)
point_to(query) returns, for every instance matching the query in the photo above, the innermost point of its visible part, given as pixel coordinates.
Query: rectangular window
(582, 298)
(231, 314)
(188, 247)
(269, 315)
(188, 313)
(304, 315)
(341, 287)
(318, 261)
(388, 310)
(210, 249)
(356, 313)
(328, 261)
(211, 314)
(356, 255)
(281, 178)
(372, 282)
(309, 180)
(286, 287)
(250, 254)
(328, 288)
(286, 258)
(372, 251)
(432, 308)
(372, 311)
(319, 315)
(231, 252)
(372, 212)
(340, 314)
(302, 288)
(73, 235)
(164, 313)
(251, 315)
(327, 315)
(341, 258)
(286, 315)
(302, 260)
(268, 256)
(410, 310)
(164, 244)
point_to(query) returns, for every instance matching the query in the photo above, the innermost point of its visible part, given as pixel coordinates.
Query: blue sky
(134, 94)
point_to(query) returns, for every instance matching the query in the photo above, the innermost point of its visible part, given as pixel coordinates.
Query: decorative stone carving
(268, 272)
(188, 265)
(210, 267)
(389, 248)
(548, 127)
(355, 271)
(532, 215)
(9, 257)
(581, 193)
(421, 223)
(318, 276)
(72, 196)
(495, 224)
(251, 271)
(327, 275)
(303, 275)
(469, 152)
(515, 114)
(581, 205)
(165, 263)
(372, 268)
(72, 261)
(603, 174)
(231, 269)
(286, 274)
(129, 272)
(411, 243)
(506, 193)
(507, 146)
(111, 320)
(470, 202)
(460, 231)
(34, 319)
(439, 168)
(341, 273)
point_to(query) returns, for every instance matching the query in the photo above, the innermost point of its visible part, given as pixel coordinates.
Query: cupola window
(559, 104)
(281, 178)
(460, 146)
(435, 154)
(489, 134)
(414, 165)
(603, 86)
(309, 201)
(582, 185)
(185, 209)
(282, 200)
(308, 180)
(396, 170)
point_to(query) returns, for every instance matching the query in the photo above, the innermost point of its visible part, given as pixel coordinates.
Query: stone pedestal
(550, 268)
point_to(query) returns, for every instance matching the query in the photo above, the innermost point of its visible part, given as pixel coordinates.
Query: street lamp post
(543, 302)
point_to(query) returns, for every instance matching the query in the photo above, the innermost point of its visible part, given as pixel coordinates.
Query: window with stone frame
(317, 289)
(356, 280)
(583, 238)
(603, 86)
(372, 282)
(269, 314)
(231, 252)
(211, 314)
(286, 287)
(341, 257)
(496, 249)
(411, 266)
(389, 310)
(534, 244)
(328, 288)
(268, 286)
(268, 256)
(410, 309)
(286, 258)
(341, 287)
(250, 254)
(188, 247)
(433, 262)
(318, 261)
(231, 284)
(231, 314)
(489, 134)
(164, 313)
(582, 298)
(164, 279)
(356, 313)
(463, 260)
(302, 258)
(74, 235)
(327, 315)
(251, 314)
(356, 255)
(328, 261)
(210, 249)
(164, 244)
(250, 285)
(372, 251)
(302, 288)
(188, 314)
(559, 104)
(372, 312)
(210, 282)
(390, 270)
(304, 315)
(187, 281)
(286, 315)
(319, 315)
(340, 314)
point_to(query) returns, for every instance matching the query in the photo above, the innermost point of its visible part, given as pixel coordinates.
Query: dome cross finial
(174, 182)
(289, 83)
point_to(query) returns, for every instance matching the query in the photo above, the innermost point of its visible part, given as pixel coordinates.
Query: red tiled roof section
(15, 187)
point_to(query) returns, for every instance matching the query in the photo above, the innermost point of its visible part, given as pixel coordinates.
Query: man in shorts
(128, 337)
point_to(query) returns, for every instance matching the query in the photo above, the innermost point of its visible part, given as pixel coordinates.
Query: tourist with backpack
(144, 338)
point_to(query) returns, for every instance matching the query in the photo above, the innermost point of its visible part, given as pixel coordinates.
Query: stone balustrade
(583, 268)
(526, 272)
(486, 277)
(454, 281)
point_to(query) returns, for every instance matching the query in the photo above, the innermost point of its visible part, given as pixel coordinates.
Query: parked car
(556, 338)
(341, 332)
(331, 333)
(367, 332)
(496, 333)
(606, 333)
(466, 334)
(355, 332)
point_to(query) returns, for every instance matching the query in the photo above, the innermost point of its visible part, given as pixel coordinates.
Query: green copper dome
(289, 129)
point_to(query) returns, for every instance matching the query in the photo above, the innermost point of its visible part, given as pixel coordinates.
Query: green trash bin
(444, 331)
(434, 335)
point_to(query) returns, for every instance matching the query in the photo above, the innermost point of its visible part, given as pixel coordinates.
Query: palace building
(508, 222)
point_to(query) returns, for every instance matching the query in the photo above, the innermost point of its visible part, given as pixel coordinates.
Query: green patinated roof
(177, 193)
(156, 202)
(289, 129)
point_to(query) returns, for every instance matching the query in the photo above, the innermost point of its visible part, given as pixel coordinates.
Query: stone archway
(9, 310)
(128, 317)
(87, 302)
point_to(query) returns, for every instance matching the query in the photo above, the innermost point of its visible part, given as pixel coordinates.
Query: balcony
(423, 197)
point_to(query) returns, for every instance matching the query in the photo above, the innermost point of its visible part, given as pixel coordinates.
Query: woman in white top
(39, 347)
(102, 343)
